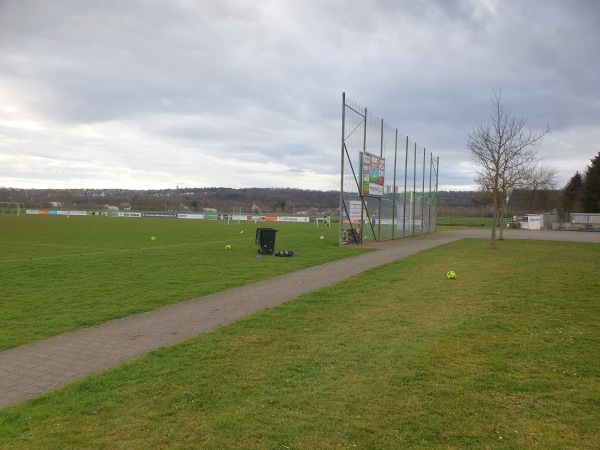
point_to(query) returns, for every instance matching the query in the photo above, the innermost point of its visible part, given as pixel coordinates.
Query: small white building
(540, 221)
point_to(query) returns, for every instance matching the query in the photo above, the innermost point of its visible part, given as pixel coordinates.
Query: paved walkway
(46, 365)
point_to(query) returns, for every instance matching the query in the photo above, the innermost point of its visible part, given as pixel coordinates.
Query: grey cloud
(259, 85)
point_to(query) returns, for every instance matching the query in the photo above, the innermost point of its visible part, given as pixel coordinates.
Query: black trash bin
(265, 239)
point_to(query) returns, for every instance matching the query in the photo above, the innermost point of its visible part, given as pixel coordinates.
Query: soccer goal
(11, 208)
(234, 217)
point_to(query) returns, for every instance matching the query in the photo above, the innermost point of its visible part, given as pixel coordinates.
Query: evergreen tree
(591, 187)
(571, 198)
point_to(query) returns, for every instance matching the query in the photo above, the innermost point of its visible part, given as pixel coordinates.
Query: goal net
(11, 208)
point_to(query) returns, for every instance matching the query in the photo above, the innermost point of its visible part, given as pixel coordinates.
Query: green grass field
(58, 274)
(464, 221)
(505, 356)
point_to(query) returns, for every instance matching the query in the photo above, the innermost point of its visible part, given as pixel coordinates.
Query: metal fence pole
(342, 169)
(423, 196)
(405, 182)
(395, 200)
(380, 201)
(437, 173)
(362, 196)
(429, 197)
(414, 197)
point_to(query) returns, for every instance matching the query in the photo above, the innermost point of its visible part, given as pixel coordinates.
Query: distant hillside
(471, 203)
(194, 199)
(462, 203)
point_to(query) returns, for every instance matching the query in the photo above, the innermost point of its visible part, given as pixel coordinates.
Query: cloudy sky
(237, 93)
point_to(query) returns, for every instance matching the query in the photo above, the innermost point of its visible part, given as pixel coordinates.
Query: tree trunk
(501, 220)
(494, 220)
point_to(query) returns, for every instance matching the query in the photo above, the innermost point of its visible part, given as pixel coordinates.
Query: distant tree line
(478, 203)
(267, 200)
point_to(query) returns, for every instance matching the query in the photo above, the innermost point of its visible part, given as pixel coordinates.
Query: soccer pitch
(62, 273)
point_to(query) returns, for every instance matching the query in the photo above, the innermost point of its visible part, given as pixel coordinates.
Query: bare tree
(542, 176)
(503, 153)
(483, 199)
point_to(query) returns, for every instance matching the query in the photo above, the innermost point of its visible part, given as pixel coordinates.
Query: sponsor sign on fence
(240, 217)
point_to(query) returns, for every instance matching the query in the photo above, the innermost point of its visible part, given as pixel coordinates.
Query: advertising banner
(292, 219)
(54, 212)
(190, 216)
(373, 169)
(354, 208)
(161, 215)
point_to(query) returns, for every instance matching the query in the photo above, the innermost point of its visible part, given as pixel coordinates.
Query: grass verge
(464, 221)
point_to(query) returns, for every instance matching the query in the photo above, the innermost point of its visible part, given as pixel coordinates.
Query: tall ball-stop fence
(388, 183)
